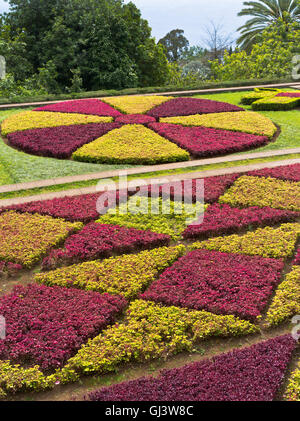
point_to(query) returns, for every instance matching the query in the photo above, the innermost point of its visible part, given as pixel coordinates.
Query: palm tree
(265, 13)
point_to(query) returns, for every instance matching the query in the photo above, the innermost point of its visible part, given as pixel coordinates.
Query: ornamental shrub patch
(97, 241)
(247, 122)
(297, 258)
(224, 220)
(214, 187)
(131, 144)
(72, 208)
(250, 374)
(218, 282)
(33, 120)
(58, 142)
(293, 390)
(285, 172)
(255, 191)
(295, 94)
(154, 214)
(205, 142)
(191, 106)
(151, 331)
(125, 275)
(286, 302)
(251, 97)
(8, 269)
(276, 104)
(86, 106)
(14, 378)
(25, 238)
(135, 119)
(46, 325)
(266, 242)
(135, 104)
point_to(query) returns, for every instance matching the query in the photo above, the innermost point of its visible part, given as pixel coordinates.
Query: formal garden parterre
(113, 289)
(137, 130)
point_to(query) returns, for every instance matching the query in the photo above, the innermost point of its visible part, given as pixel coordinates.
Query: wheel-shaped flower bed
(137, 130)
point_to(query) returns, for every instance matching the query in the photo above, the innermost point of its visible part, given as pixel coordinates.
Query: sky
(190, 15)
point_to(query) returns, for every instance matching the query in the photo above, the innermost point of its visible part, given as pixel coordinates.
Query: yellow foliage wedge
(131, 144)
(41, 119)
(244, 121)
(136, 104)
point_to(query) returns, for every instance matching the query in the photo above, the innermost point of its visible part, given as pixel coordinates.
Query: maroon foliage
(47, 325)
(250, 374)
(218, 282)
(82, 106)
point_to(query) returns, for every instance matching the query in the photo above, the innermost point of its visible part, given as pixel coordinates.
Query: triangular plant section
(136, 104)
(82, 106)
(131, 144)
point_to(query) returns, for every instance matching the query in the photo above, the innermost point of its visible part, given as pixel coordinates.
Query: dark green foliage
(106, 41)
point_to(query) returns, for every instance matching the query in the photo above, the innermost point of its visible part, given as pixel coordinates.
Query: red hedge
(59, 142)
(218, 282)
(286, 172)
(204, 142)
(223, 220)
(82, 106)
(251, 374)
(74, 208)
(191, 106)
(97, 241)
(214, 187)
(47, 325)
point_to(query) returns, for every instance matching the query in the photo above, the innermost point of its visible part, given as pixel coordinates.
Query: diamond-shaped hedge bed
(137, 130)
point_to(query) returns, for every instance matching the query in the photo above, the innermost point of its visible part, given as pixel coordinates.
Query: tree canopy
(105, 42)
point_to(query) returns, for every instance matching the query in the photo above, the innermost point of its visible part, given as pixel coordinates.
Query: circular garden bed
(137, 130)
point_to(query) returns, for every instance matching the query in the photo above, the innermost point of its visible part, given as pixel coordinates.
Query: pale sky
(190, 15)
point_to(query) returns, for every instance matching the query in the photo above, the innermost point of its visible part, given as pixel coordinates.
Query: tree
(217, 40)
(265, 13)
(106, 41)
(175, 44)
(271, 58)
